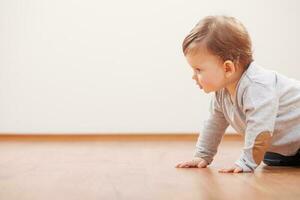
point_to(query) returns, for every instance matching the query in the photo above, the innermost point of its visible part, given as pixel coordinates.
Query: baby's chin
(210, 90)
(207, 91)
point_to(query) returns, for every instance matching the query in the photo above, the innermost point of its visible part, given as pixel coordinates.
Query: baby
(261, 104)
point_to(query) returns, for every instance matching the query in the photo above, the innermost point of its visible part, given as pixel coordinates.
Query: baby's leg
(276, 159)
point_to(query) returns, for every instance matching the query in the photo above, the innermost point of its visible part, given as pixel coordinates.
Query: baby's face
(208, 71)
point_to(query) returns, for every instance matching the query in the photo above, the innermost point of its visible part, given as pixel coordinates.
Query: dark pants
(275, 159)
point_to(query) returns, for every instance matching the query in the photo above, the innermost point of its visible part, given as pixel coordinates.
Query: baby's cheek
(208, 82)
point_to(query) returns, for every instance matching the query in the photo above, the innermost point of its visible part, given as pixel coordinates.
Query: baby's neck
(231, 87)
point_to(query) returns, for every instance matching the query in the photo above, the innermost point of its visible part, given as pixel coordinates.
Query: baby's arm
(209, 138)
(260, 107)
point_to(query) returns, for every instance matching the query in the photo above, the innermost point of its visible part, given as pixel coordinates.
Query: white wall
(116, 66)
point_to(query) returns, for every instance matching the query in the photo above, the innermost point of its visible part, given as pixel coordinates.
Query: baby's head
(219, 50)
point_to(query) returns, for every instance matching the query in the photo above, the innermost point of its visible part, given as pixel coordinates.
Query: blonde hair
(223, 36)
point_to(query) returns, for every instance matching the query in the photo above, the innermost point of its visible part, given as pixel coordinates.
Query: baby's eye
(198, 70)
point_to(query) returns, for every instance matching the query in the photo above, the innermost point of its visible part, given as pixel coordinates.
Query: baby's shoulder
(257, 75)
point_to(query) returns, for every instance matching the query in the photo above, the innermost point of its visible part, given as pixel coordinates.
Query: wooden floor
(130, 167)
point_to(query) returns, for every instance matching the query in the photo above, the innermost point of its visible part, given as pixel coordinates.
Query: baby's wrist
(200, 159)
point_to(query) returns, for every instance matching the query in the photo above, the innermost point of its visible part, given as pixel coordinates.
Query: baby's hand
(194, 163)
(233, 169)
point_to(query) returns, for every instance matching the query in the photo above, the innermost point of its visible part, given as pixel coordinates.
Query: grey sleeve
(260, 108)
(212, 132)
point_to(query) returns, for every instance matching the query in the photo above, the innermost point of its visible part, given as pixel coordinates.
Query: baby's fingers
(238, 170)
(180, 165)
(185, 164)
(202, 164)
(234, 169)
(226, 170)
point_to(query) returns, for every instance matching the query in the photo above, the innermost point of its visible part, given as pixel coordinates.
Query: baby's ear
(229, 68)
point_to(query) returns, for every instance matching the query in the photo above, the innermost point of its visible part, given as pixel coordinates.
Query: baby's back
(286, 136)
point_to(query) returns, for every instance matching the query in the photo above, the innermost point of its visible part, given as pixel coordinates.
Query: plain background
(87, 66)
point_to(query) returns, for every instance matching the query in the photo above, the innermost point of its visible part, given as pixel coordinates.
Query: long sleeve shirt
(265, 109)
